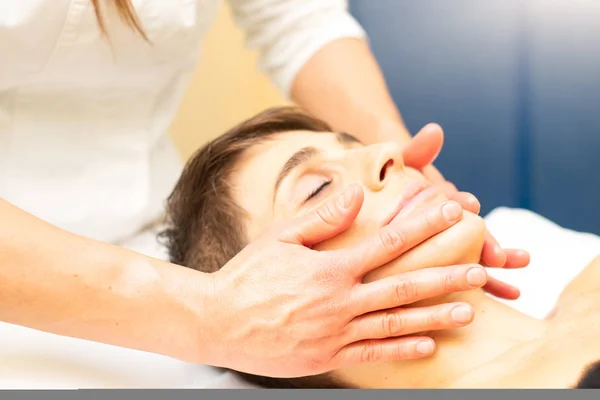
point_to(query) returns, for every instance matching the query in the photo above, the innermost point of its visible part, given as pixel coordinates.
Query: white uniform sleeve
(288, 33)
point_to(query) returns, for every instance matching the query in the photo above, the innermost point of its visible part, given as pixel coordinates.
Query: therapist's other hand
(420, 153)
(284, 310)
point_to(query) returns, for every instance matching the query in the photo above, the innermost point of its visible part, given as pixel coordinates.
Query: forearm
(343, 85)
(65, 284)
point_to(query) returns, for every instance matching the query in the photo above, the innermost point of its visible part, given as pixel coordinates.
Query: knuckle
(391, 240)
(329, 269)
(431, 219)
(434, 320)
(326, 213)
(448, 282)
(314, 364)
(370, 353)
(284, 233)
(393, 324)
(404, 291)
(335, 309)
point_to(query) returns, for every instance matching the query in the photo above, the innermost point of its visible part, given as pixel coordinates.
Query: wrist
(170, 309)
(205, 300)
(192, 297)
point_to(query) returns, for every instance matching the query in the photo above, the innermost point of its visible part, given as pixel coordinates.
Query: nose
(383, 161)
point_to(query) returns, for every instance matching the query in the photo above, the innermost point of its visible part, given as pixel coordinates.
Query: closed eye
(317, 190)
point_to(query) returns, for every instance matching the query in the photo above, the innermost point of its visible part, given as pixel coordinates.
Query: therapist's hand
(420, 153)
(282, 309)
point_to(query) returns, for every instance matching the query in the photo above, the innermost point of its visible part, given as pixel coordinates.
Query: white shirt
(83, 121)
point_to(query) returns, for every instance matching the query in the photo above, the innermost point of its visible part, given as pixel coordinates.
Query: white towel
(557, 256)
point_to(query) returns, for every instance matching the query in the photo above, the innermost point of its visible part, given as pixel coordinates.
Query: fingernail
(345, 199)
(451, 211)
(476, 277)
(461, 314)
(430, 126)
(472, 199)
(425, 347)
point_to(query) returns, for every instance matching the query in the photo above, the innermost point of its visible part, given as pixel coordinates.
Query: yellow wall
(226, 88)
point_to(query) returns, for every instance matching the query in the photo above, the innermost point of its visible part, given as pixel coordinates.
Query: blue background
(516, 86)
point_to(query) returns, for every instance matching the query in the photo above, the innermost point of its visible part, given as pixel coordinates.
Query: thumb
(424, 147)
(325, 222)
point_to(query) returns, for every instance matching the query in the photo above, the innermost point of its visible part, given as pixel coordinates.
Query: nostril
(383, 172)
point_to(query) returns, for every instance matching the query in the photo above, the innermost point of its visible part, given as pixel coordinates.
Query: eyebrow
(300, 157)
(346, 139)
(305, 154)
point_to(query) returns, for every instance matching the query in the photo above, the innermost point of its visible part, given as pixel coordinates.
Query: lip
(414, 195)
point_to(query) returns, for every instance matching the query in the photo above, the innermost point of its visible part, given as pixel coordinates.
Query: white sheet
(31, 359)
(557, 256)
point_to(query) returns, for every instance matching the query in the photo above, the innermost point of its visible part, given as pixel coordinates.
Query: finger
(502, 290)
(392, 240)
(468, 201)
(408, 321)
(516, 258)
(382, 350)
(433, 174)
(447, 189)
(492, 254)
(409, 287)
(327, 221)
(424, 147)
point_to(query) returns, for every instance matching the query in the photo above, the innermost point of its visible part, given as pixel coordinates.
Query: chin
(460, 244)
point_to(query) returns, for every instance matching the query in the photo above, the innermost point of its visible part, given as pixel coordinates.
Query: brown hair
(126, 12)
(205, 227)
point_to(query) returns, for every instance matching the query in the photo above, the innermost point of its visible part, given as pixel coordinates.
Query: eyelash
(317, 190)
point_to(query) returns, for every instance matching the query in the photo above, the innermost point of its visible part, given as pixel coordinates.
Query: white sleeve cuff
(288, 33)
(298, 49)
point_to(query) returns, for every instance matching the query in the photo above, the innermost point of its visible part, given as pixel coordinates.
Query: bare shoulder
(557, 361)
(561, 357)
(582, 294)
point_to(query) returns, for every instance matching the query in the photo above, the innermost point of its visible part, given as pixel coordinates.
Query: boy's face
(295, 172)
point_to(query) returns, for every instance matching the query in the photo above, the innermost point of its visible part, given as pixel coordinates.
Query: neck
(488, 337)
(459, 351)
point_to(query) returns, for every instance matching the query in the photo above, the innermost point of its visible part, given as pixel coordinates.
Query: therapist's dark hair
(126, 12)
(205, 227)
